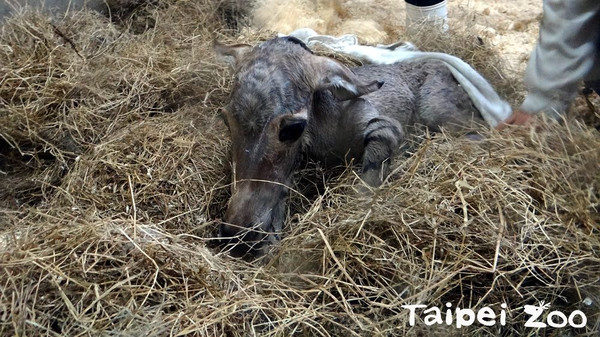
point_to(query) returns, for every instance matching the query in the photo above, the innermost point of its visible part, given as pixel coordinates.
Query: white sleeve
(564, 55)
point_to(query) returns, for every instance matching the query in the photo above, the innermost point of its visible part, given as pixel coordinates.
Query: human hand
(518, 117)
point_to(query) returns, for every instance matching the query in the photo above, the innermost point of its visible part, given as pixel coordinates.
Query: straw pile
(114, 173)
(374, 21)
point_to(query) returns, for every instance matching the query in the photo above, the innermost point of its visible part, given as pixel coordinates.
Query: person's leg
(592, 85)
(434, 11)
(592, 80)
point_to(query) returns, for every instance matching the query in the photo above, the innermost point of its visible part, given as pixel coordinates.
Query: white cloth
(493, 109)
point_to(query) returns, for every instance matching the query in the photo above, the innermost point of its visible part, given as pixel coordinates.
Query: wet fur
(276, 80)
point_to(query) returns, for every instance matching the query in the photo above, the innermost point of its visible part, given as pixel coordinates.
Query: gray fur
(347, 118)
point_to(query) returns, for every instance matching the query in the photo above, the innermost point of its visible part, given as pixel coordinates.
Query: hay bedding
(115, 170)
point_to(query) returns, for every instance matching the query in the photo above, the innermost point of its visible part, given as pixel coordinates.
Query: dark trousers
(423, 3)
(594, 85)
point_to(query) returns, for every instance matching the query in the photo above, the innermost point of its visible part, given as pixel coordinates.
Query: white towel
(493, 109)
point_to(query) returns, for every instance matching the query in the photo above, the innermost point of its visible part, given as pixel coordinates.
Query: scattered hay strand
(114, 172)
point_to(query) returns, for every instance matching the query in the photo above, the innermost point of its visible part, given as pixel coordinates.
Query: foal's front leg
(381, 136)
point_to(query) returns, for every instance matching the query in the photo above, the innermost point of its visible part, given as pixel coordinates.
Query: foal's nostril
(225, 231)
(240, 241)
(228, 231)
(234, 234)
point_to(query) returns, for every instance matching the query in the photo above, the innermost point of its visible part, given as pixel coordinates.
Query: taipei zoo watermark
(462, 317)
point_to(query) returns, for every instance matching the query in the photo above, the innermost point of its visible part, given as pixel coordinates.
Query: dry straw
(115, 171)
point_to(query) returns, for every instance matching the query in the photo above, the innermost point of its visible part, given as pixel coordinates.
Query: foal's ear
(340, 80)
(232, 54)
(291, 129)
